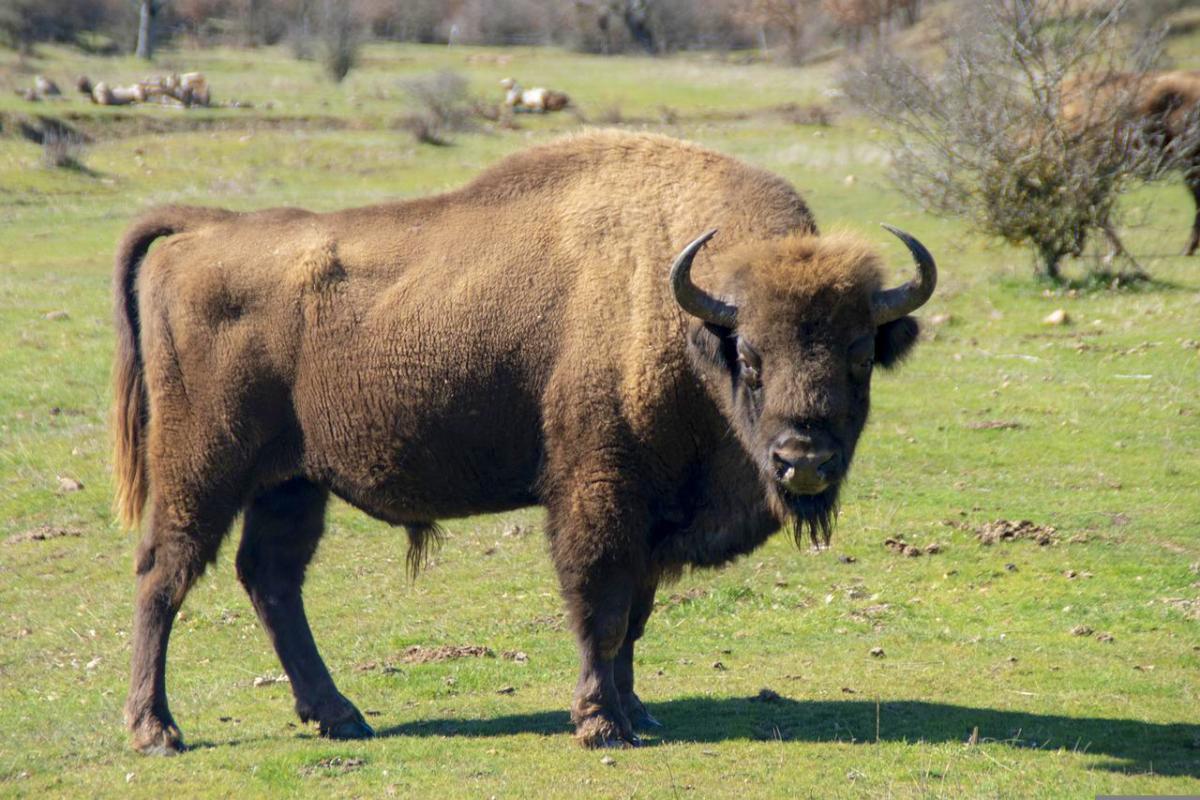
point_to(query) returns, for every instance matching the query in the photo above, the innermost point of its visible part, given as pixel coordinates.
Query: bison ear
(894, 341)
(715, 344)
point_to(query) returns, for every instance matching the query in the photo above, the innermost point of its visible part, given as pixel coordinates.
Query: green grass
(1107, 450)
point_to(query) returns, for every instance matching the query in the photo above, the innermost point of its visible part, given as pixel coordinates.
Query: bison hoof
(599, 731)
(354, 727)
(153, 739)
(639, 718)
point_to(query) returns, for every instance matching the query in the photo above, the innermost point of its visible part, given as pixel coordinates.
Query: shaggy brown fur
(514, 342)
(1166, 104)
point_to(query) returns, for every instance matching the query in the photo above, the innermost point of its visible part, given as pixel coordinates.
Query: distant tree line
(799, 29)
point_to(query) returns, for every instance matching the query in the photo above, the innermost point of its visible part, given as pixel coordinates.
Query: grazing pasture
(1062, 659)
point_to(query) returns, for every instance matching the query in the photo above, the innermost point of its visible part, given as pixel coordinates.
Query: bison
(535, 337)
(1162, 109)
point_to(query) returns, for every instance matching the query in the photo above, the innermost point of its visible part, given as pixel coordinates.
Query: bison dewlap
(544, 335)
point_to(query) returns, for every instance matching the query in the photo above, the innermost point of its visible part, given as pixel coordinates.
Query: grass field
(983, 688)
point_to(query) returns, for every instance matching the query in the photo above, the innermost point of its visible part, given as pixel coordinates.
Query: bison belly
(413, 427)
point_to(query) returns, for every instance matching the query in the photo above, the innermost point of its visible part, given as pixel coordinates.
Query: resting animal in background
(545, 335)
(1166, 105)
(537, 100)
(188, 89)
(42, 89)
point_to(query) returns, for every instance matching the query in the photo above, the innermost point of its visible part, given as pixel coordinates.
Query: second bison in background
(536, 337)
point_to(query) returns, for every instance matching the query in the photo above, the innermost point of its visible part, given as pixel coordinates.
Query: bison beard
(812, 514)
(458, 355)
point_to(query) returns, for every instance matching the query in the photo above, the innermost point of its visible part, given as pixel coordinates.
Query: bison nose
(805, 463)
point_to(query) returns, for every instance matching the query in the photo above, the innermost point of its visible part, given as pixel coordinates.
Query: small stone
(608, 761)
(1081, 630)
(268, 680)
(55, 316)
(1011, 567)
(1070, 574)
(717, 665)
(877, 652)
(1107, 638)
(68, 484)
(507, 690)
(1059, 316)
(847, 559)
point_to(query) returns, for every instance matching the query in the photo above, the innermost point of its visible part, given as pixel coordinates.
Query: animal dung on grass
(901, 547)
(1003, 530)
(417, 654)
(42, 533)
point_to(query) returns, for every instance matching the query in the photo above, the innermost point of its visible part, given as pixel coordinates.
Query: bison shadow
(1134, 746)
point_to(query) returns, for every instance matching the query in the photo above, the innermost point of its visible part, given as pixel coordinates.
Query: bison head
(787, 341)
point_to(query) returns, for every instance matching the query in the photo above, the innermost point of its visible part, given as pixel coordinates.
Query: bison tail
(131, 407)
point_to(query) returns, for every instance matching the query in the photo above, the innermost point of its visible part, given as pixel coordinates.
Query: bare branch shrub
(62, 150)
(340, 37)
(441, 105)
(1010, 130)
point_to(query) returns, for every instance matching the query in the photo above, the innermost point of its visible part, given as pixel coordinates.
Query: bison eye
(749, 365)
(862, 357)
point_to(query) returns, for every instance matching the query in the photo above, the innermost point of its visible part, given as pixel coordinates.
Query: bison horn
(892, 304)
(692, 298)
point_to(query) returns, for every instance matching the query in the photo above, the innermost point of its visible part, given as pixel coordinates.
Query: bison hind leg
(423, 539)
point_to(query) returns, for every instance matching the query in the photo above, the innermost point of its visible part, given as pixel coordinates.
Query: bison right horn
(692, 298)
(892, 304)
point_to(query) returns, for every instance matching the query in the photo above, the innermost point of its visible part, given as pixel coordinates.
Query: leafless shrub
(63, 150)
(610, 115)
(340, 36)
(441, 106)
(1009, 131)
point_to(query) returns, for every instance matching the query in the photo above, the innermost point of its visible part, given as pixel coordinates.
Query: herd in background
(181, 91)
(191, 89)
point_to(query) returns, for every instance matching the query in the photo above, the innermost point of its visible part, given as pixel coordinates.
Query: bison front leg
(281, 532)
(598, 567)
(643, 603)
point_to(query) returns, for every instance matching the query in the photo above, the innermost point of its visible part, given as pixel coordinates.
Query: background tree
(340, 35)
(995, 132)
(147, 11)
(795, 21)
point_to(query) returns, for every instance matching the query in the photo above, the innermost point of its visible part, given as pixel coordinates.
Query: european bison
(535, 337)
(1164, 107)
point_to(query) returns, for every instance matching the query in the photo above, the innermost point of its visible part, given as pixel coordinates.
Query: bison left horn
(892, 304)
(692, 298)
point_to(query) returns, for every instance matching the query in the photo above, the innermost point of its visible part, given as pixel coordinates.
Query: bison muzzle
(536, 337)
